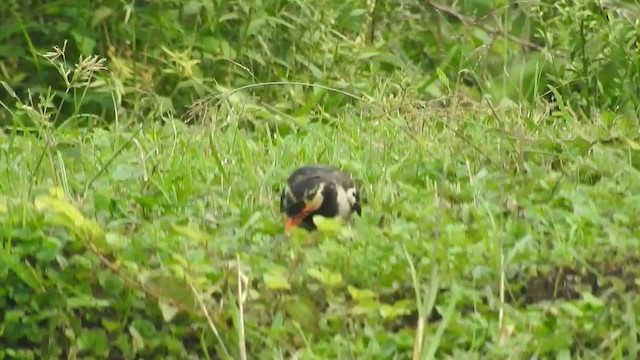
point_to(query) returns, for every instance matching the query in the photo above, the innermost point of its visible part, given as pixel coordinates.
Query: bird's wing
(343, 179)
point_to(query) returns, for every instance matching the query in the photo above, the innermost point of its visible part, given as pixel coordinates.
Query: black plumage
(318, 190)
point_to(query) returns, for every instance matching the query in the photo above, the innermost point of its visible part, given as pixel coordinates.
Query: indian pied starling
(318, 190)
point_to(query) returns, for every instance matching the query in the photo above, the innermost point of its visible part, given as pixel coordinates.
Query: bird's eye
(310, 198)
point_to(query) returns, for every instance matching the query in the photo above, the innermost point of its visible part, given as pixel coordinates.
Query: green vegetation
(141, 162)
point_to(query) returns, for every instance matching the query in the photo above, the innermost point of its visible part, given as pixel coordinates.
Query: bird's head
(304, 199)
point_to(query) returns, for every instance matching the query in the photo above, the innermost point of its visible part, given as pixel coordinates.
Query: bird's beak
(293, 221)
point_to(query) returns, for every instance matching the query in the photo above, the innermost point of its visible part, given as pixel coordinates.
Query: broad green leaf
(365, 306)
(325, 276)
(443, 78)
(111, 326)
(192, 233)
(592, 300)
(390, 311)
(138, 340)
(360, 295)
(571, 309)
(168, 311)
(276, 281)
(329, 225)
(86, 302)
(94, 341)
(111, 282)
(170, 287)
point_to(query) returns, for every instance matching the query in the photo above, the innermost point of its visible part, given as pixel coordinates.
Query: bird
(318, 190)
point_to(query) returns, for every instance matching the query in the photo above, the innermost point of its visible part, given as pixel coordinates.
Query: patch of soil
(566, 283)
(600, 278)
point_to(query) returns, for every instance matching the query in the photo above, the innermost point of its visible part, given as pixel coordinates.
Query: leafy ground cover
(144, 147)
(486, 233)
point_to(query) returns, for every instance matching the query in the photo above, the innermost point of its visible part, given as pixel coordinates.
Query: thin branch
(495, 32)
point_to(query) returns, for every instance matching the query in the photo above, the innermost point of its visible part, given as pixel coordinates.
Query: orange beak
(296, 220)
